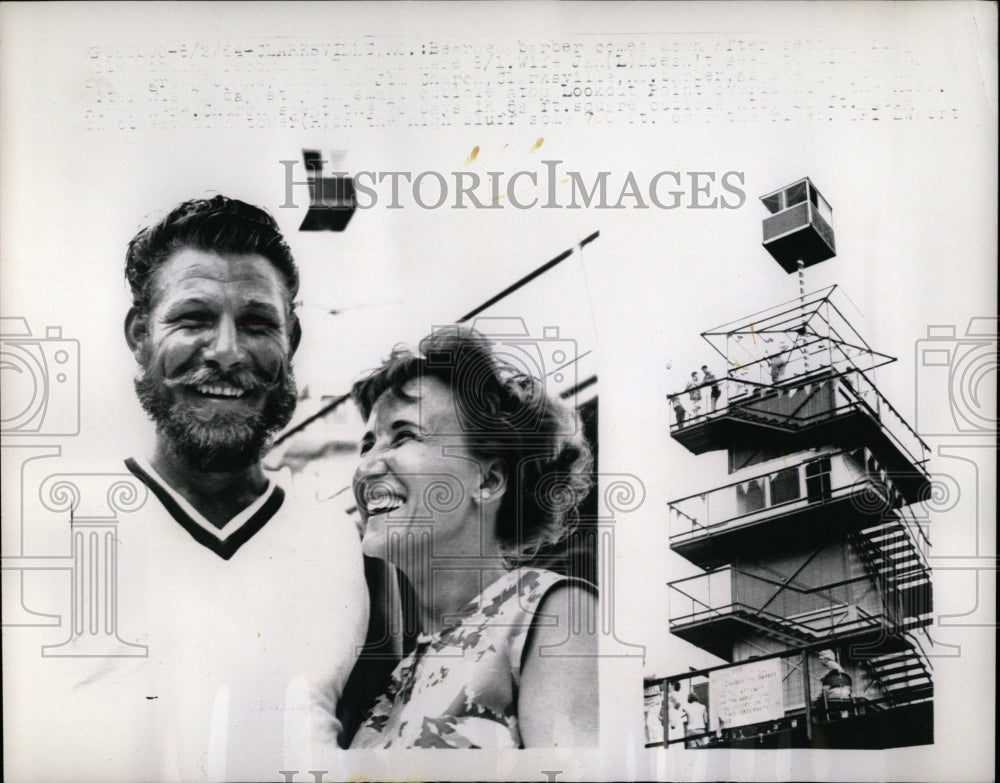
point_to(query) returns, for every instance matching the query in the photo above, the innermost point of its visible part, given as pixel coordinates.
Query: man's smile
(219, 390)
(220, 396)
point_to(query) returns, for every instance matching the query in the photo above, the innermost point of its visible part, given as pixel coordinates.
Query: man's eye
(192, 320)
(257, 324)
(404, 435)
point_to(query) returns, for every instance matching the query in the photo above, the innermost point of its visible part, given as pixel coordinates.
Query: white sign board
(742, 695)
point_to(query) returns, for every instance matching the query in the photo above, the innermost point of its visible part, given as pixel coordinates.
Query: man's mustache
(242, 379)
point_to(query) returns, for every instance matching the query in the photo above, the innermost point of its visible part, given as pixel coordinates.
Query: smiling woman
(467, 469)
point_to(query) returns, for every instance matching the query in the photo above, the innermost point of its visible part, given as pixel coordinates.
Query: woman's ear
(494, 481)
(136, 330)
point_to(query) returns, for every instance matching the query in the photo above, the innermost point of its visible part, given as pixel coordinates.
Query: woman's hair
(504, 414)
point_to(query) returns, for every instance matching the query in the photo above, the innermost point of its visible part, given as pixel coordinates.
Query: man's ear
(294, 334)
(494, 481)
(136, 330)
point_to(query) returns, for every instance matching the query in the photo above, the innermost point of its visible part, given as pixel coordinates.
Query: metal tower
(815, 586)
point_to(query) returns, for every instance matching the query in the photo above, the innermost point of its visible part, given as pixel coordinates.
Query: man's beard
(229, 440)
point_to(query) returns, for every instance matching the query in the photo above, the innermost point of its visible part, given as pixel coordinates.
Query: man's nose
(225, 349)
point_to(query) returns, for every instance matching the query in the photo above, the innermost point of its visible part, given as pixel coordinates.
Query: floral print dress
(458, 688)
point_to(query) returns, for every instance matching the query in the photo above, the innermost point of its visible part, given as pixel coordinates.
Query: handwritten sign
(741, 695)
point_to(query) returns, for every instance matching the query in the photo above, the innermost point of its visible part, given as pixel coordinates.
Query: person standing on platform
(694, 393)
(714, 392)
(697, 722)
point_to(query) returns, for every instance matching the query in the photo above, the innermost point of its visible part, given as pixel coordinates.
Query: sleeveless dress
(459, 687)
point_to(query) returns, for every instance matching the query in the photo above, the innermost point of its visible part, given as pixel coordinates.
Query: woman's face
(418, 476)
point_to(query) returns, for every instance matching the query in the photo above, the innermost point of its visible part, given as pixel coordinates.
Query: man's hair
(504, 414)
(219, 225)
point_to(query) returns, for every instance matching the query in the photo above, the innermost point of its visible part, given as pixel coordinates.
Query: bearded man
(213, 329)
(249, 596)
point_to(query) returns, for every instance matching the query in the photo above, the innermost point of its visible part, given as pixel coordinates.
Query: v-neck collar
(225, 542)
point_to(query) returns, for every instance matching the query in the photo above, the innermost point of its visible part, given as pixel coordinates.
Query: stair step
(892, 543)
(911, 578)
(907, 688)
(899, 679)
(903, 656)
(896, 551)
(909, 566)
(886, 536)
(901, 553)
(909, 571)
(894, 678)
(894, 686)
